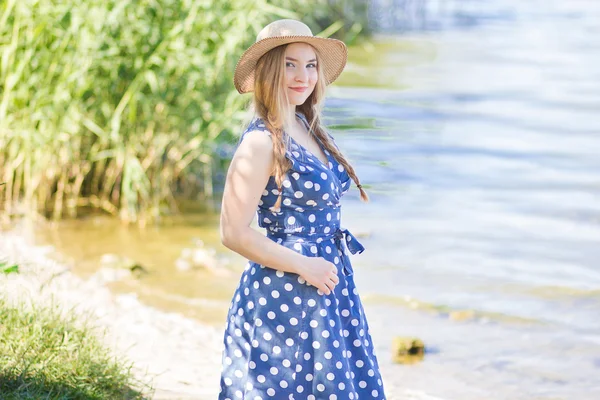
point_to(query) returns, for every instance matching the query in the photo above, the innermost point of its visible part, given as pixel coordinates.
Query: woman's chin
(296, 98)
(298, 101)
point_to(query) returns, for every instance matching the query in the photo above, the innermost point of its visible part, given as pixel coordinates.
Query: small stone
(407, 350)
(461, 315)
(182, 264)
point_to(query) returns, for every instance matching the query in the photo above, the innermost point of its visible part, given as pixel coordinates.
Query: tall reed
(120, 105)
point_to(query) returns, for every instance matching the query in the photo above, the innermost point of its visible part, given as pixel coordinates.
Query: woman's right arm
(246, 180)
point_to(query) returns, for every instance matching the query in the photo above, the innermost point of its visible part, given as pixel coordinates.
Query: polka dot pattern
(283, 338)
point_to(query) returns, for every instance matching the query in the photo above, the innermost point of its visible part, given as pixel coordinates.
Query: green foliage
(342, 19)
(120, 105)
(45, 355)
(6, 268)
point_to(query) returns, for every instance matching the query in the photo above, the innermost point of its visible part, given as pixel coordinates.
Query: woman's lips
(299, 89)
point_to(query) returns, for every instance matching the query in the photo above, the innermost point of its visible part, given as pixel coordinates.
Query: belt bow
(353, 245)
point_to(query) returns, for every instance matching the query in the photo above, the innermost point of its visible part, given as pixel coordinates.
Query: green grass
(46, 355)
(7, 268)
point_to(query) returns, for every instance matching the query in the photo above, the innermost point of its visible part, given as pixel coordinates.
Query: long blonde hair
(269, 99)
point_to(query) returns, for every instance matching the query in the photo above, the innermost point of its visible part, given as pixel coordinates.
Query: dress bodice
(311, 191)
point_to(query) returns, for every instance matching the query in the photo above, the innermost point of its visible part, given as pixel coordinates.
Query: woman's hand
(320, 273)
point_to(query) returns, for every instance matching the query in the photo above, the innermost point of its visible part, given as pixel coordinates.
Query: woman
(296, 328)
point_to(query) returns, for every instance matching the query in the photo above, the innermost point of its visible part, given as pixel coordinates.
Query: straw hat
(332, 52)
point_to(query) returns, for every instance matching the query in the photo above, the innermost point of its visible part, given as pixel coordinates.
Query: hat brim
(332, 52)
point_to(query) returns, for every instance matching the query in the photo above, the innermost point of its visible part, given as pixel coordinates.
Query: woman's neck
(291, 116)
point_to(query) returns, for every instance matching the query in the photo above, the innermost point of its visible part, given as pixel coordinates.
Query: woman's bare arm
(246, 180)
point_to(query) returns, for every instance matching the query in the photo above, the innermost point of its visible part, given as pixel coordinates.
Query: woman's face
(300, 72)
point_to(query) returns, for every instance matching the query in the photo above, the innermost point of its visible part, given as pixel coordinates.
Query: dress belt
(339, 235)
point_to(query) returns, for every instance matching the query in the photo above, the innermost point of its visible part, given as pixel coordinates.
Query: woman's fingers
(330, 280)
(335, 279)
(330, 284)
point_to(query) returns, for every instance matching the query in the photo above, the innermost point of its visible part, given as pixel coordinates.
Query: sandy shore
(178, 356)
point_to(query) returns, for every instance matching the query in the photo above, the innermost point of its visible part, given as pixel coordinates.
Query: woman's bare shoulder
(256, 139)
(256, 125)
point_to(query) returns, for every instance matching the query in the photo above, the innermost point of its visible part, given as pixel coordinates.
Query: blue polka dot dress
(284, 338)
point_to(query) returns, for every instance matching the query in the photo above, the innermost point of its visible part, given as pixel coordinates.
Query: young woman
(296, 328)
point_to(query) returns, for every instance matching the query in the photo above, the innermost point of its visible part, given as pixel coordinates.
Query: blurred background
(474, 125)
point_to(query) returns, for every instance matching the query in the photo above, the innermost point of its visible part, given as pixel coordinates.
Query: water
(475, 125)
(485, 172)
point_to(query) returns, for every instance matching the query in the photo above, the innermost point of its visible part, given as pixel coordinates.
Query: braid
(281, 165)
(269, 99)
(320, 133)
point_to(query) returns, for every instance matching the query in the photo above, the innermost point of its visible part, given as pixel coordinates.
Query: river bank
(178, 356)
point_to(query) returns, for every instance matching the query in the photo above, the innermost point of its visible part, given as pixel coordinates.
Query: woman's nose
(301, 75)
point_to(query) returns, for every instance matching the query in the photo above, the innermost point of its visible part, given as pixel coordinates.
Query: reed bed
(124, 106)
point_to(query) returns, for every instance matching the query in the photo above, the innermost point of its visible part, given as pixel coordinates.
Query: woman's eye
(311, 65)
